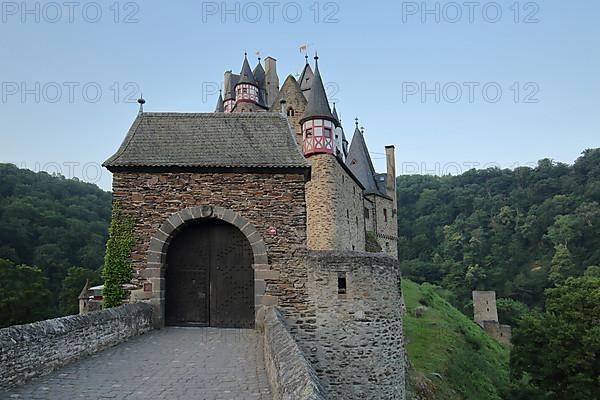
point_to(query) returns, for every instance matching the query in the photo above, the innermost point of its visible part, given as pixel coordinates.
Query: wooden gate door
(209, 277)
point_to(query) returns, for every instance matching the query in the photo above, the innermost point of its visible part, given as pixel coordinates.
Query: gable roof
(212, 140)
(359, 162)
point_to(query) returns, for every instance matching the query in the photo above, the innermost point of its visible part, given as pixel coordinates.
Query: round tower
(318, 123)
(246, 89)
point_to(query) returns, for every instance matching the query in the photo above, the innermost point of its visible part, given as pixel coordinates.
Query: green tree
(72, 286)
(23, 294)
(560, 347)
(563, 266)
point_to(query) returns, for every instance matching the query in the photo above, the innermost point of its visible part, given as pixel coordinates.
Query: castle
(264, 203)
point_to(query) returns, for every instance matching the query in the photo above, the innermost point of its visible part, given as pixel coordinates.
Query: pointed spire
(335, 114)
(246, 75)
(219, 107)
(141, 102)
(318, 105)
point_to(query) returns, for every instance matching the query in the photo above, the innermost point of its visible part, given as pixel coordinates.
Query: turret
(318, 123)
(219, 107)
(338, 135)
(259, 77)
(246, 90)
(229, 100)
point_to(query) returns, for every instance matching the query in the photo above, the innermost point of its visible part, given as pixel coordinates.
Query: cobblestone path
(172, 363)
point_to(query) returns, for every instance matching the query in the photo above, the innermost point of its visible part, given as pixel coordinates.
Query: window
(348, 215)
(308, 132)
(385, 214)
(357, 221)
(327, 132)
(290, 112)
(342, 284)
(245, 90)
(366, 213)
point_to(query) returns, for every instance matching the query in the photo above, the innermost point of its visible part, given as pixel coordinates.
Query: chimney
(226, 78)
(271, 79)
(390, 182)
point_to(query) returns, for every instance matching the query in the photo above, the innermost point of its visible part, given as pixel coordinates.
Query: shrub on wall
(117, 264)
(372, 245)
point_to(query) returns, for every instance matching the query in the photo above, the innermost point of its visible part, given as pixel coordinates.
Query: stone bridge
(69, 358)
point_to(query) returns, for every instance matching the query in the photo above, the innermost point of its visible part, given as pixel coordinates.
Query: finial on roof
(316, 59)
(141, 102)
(306, 58)
(362, 129)
(356, 121)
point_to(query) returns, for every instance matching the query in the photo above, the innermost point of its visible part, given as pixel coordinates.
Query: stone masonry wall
(484, 306)
(387, 231)
(266, 200)
(291, 376)
(335, 207)
(356, 345)
(41, 347)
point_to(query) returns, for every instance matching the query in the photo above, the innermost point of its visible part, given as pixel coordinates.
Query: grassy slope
(450, 356)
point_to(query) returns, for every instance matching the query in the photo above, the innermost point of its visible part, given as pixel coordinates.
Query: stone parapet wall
(41, 347)
(290, 374)
(355, 341)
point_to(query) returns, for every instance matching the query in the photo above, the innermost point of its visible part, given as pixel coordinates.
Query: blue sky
(377, 57)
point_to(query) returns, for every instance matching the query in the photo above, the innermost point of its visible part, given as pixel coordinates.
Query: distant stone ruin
(486, 316)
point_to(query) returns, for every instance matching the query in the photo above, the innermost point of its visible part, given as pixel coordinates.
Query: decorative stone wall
(291, 376)
(356, 343)
(335, 207)
(41, 347)
(255, 202)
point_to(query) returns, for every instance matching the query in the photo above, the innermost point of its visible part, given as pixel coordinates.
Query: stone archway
(159, 245)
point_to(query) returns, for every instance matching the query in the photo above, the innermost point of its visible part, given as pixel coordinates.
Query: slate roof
(230, 86)
(246, 75)
(219, 106)
(360, 163)
(217, 140)
(318, 105)
(306, 78)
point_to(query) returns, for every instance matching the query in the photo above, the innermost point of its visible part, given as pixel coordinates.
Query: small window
(290, 112)
(366, 213)
(342, 284)
(357, 222)
(327, 132)
(245, 90)
(385, 214)
(308, 132)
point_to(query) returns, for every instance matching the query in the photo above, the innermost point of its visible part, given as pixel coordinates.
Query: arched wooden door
(209, 277)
